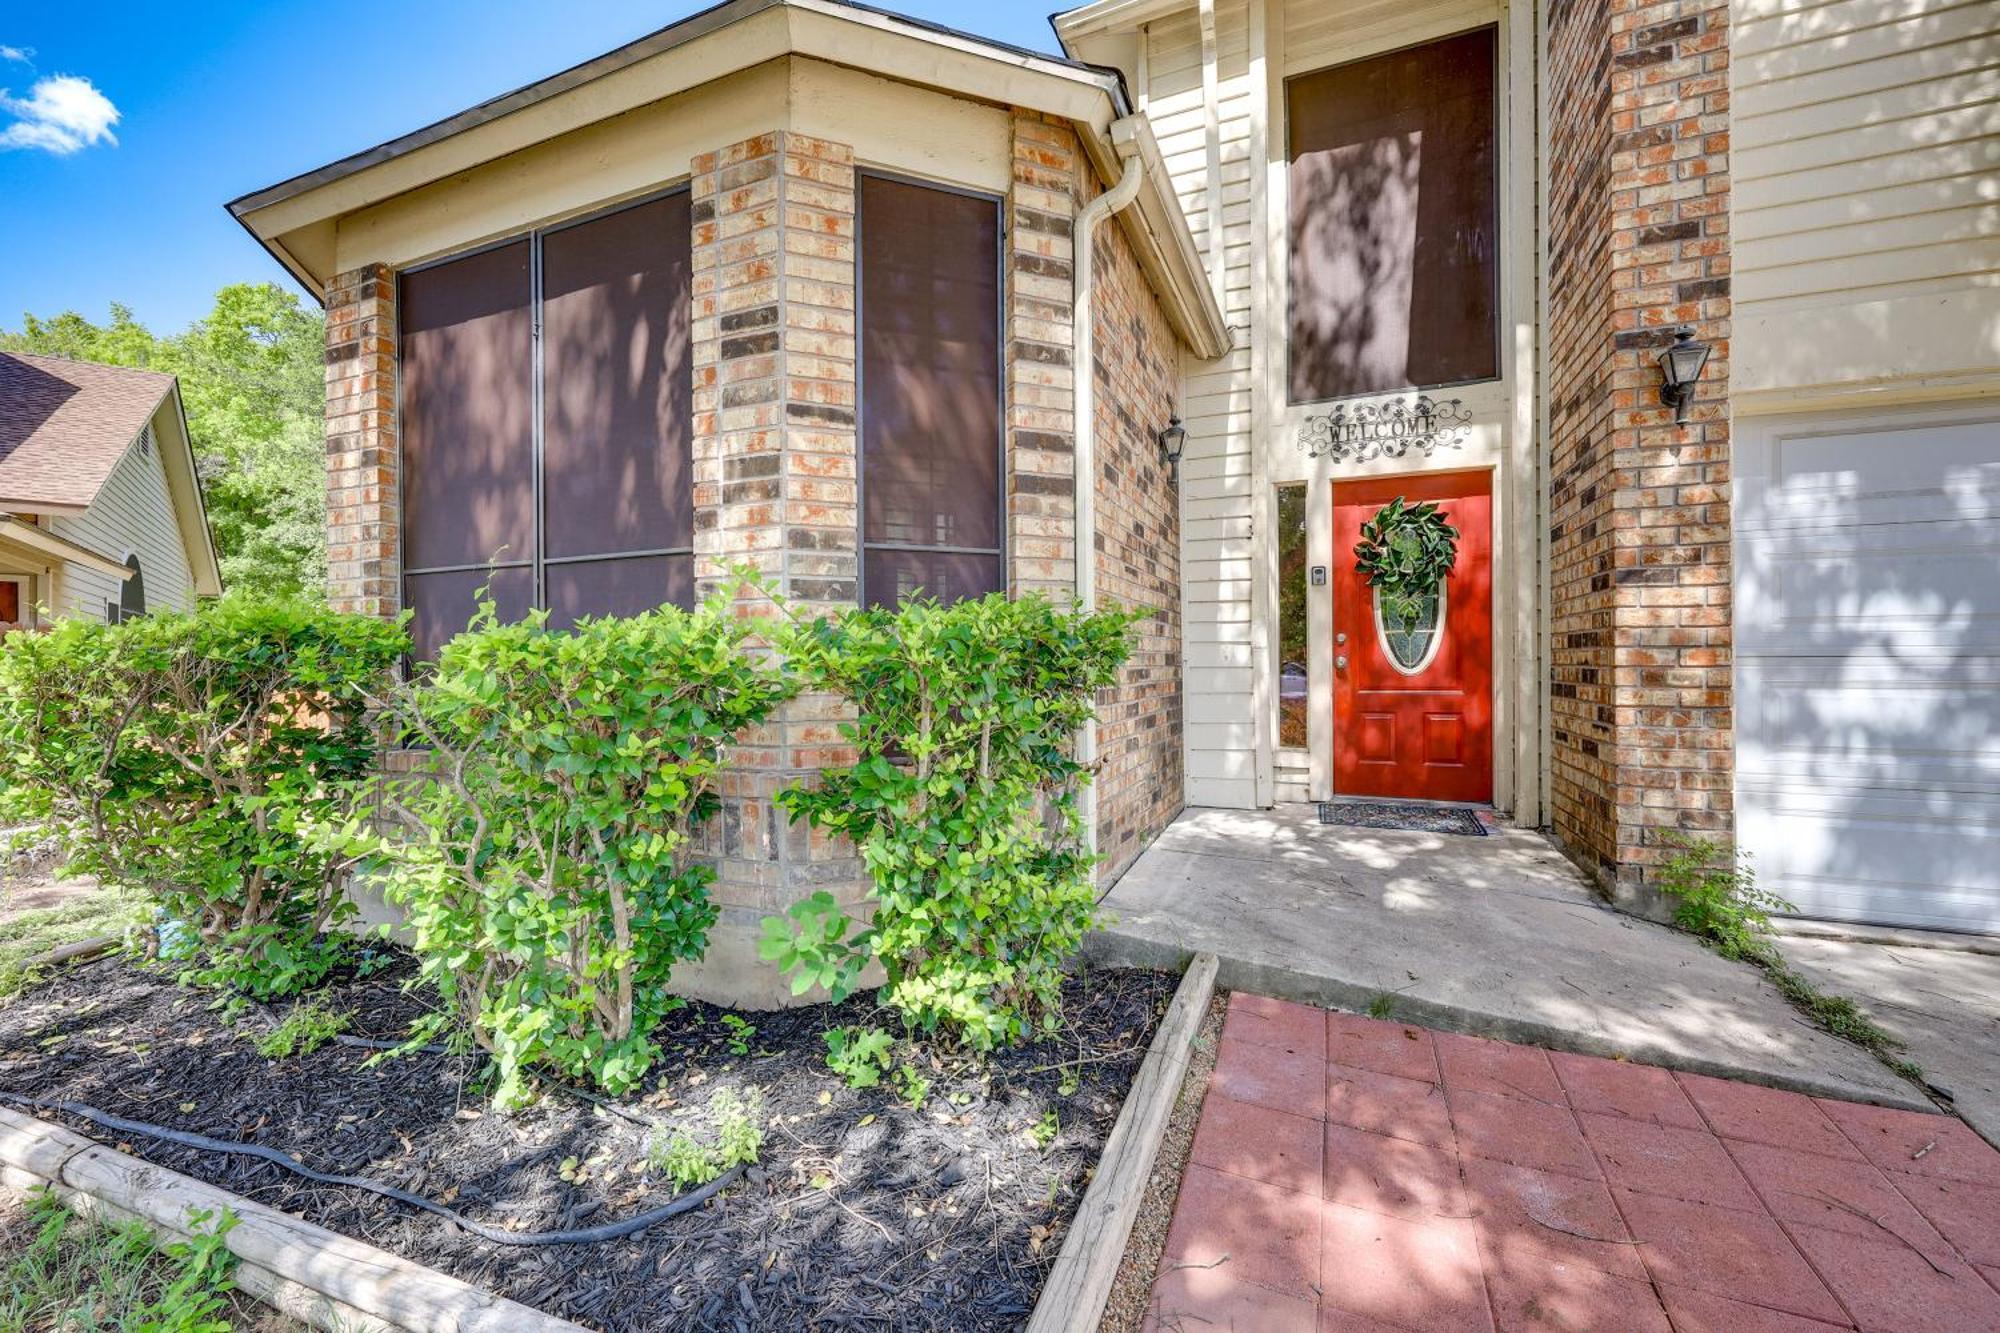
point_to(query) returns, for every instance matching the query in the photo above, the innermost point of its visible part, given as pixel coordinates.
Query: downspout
(1125, 140)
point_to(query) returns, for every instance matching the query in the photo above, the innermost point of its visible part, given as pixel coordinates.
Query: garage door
(1868, 664)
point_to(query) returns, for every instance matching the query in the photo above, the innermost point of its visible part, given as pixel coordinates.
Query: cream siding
(133, 514)
(1216, 473)
(1866, 138)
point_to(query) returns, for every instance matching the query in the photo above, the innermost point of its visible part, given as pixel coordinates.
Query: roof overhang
(21, 535)
(293, 219)
(176, 446)
(1111, 16)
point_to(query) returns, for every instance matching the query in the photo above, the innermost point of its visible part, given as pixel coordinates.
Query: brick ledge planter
(1079, 1283)
(307, 1272)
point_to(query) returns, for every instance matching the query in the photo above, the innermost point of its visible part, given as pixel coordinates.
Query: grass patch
(1717, 899)
(85, 1277)
(105, 911)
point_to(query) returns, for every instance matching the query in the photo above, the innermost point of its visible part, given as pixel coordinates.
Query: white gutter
(1125, 140)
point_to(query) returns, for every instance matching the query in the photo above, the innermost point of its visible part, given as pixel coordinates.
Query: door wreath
(1406, 552)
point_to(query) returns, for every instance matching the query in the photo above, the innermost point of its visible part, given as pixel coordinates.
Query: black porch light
(1680, 366)
(1172, 441)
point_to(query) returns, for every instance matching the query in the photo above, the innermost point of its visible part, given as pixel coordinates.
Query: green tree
(251, 380)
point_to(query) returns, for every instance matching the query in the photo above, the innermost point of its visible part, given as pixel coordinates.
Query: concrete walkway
(1350, 1174)
(1942, 1003)
(1497, 936)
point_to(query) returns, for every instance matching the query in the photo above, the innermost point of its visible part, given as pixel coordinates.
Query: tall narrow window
(1394, 210)
(1293, 648)
(546, 423)
(617, 387)
(132, 593)
(468, 428)
(931, 447)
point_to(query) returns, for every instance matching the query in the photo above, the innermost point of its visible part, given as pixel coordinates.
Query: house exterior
(1777, 622)
(100, 507)
(844, 266)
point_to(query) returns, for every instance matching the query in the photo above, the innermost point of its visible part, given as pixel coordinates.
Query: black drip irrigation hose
(588, 1236)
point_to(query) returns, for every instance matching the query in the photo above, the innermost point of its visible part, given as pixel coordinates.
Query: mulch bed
(863, 1213)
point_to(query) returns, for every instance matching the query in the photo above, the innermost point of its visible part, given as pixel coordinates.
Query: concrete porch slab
(1498, 936)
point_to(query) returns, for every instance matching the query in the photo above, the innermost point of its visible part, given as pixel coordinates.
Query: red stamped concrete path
(1367, 1176)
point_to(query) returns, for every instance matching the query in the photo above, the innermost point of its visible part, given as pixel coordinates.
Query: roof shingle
(65, 424)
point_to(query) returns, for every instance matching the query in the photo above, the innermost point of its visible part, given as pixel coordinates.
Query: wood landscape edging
(314, 1275)
(1079, 1283)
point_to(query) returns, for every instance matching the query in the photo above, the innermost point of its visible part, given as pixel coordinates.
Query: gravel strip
(1132, 1292)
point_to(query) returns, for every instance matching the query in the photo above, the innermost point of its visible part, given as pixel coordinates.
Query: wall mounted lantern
(1172, 441)
(1680, 367)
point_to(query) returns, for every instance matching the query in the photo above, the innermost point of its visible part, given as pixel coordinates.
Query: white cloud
(21, 54)
(60, 114)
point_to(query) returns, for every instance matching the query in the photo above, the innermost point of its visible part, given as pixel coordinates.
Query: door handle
(1340, 662)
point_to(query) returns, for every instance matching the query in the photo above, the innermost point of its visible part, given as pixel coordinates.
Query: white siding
(1866, 138)
(1216, 403)
(133, 514)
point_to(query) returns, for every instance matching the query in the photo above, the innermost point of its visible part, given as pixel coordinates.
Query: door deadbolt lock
(1340, 638)
(1340, 662)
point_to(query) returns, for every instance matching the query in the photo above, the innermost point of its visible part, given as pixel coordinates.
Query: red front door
(1414, 718)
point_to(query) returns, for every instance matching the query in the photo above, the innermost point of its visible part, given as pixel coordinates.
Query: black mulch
(1412, 818)
(863, 1213)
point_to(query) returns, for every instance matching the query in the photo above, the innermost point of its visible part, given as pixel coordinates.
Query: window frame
(1002, 235)
(538, 563)
(1500, 258)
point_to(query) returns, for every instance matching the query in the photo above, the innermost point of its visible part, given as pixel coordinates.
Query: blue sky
(211, 103)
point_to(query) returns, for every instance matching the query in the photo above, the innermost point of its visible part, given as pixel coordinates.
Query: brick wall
(363, 555)
(1140, 787)
(775, 460)
(1137, 540)
(1639, 508)
(774, 488)
(1040, 341)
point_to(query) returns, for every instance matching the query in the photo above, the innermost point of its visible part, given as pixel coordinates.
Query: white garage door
(1868, 664)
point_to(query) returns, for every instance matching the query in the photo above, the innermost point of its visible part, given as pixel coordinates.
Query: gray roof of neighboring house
(64, 425)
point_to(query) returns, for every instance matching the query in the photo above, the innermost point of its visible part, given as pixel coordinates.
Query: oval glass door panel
(1411, 643)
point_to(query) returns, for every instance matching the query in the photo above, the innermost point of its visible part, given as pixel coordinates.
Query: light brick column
(364, 548)
(1040, 340)
(1639, 508)
(774, 489)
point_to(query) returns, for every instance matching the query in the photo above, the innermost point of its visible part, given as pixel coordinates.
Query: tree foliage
(252, 381)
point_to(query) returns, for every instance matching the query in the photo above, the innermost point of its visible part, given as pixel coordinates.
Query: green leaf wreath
(1405, 552)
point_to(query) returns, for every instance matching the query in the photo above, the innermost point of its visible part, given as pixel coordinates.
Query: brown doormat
(1410, 818)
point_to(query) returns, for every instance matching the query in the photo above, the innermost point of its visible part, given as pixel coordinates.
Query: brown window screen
(467, 397)
(608, 455)
(617, 367)
(1394, 191)
(931, 450)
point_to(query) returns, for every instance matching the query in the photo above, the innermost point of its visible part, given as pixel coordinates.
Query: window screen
(1393, 213)
(931, 449)
(132, 593)
(617, 384)
(556, 472)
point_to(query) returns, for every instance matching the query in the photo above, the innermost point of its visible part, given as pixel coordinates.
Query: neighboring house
(803, 284)
(100, 508)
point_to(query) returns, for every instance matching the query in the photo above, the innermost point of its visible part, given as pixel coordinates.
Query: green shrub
(308, 1027)
(1717, 897)
(963, 804)
(739, 1138)
(195, 758)
(541, 855)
